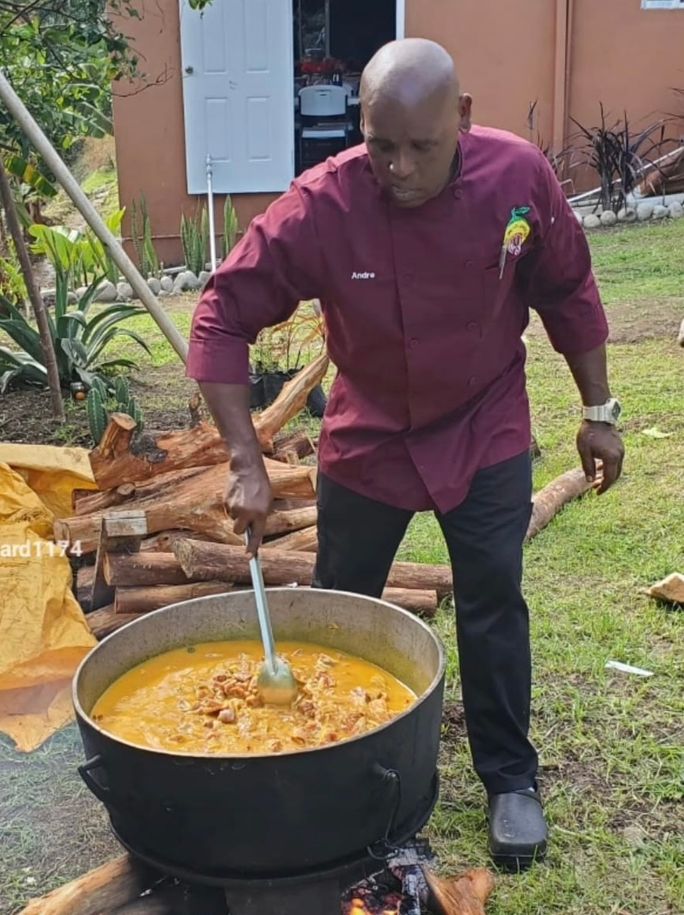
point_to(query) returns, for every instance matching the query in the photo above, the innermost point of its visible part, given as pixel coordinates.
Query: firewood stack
(157, 531)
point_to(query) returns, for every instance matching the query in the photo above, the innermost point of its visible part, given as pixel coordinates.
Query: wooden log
(553, 497)
(285, 522)
(85, 501)
(118, 460)
(163, 542)
(466, 895)
(305, 541)
(127, 570)
(114, 462)
(99, 891)
(221, 562)
(194, 504)
(424, 603)
(85, 576)
(291, 401)
(143, 599)
(104, 621)
(293, 446)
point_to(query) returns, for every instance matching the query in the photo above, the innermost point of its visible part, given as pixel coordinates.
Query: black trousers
(358, 540)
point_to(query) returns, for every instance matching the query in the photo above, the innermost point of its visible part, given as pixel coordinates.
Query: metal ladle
(276, 682)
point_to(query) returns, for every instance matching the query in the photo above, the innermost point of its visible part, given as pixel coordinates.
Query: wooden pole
(34, 295)
(27, 123)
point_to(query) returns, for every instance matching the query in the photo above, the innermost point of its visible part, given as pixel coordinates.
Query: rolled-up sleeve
(560, 283)
(273, 268)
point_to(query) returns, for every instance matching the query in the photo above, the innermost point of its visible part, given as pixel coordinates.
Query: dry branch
(305, 541)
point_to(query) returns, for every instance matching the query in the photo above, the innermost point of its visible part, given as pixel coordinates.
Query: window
(662, 4)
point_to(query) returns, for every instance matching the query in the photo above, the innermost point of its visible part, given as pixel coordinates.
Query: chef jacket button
(413, 342)
(473, 326)
(471, 381)
(407, 277)
(469, 263)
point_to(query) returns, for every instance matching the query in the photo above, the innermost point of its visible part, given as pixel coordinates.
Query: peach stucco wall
(566, 54)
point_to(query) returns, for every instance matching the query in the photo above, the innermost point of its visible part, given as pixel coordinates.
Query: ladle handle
(263, 615)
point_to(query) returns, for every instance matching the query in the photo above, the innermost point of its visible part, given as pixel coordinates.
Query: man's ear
(465, 104)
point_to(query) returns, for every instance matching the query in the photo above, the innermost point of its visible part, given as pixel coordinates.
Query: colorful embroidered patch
(517, 231)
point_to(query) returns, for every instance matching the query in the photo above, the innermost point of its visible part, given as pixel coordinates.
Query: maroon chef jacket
(424, 330)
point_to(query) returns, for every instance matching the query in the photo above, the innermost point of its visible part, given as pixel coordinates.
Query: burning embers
(407, 886)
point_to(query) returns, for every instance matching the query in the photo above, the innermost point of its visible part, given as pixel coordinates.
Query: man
(426, 247)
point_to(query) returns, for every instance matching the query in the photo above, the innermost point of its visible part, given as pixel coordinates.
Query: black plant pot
(265, 387)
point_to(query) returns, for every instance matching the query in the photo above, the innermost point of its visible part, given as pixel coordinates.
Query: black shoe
(517, 829)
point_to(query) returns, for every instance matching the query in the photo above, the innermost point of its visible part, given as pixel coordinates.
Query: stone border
(641, 212)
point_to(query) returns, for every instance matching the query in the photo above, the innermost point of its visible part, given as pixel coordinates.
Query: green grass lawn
(610, 744)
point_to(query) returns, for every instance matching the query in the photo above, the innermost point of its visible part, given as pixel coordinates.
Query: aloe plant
(230, 226)
(141, 236)
(80, 340)
(195, 239)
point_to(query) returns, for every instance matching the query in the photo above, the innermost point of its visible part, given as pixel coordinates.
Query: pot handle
(382, 848)
(101, 792)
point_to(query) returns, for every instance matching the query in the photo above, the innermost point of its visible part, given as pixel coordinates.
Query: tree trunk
(553, 497)
(34, 295)
(143, 599)
(285, 522)
(131, 569)
(216, 561)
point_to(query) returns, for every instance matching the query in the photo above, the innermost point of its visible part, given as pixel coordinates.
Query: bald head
(411, 113)
(410, 71)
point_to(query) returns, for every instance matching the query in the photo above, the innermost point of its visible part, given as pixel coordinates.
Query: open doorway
(333, 41)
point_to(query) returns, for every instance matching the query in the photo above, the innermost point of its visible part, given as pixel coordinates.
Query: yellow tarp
(43, 632)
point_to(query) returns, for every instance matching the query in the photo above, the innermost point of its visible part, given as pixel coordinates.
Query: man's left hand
(600, 442)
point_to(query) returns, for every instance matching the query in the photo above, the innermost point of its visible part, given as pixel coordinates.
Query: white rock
(660, 212)
(592, 221)
(608, 218)
(204, 278)
(124, 291)
(155, 285)
(185, 281)
(676, 210)
(644, 211)
(627, 214)
(106, 292)
(166, 283)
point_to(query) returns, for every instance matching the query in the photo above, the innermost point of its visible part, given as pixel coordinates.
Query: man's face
(412, 148)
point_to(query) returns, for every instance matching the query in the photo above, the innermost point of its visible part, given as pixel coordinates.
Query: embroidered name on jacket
(362, 276)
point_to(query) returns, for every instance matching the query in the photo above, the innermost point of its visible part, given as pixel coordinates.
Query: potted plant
(281, 351)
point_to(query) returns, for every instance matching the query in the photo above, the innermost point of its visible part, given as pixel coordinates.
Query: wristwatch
(609, 412)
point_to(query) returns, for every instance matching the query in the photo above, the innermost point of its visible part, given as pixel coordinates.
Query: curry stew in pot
(204, 699)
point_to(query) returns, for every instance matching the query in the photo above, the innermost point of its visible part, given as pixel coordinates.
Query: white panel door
(238, 96)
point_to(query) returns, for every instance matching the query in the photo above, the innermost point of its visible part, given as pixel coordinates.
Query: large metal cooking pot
(270, 815)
